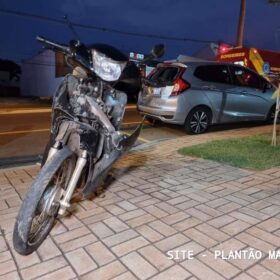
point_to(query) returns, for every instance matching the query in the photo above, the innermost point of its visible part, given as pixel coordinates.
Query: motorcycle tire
(24, 240)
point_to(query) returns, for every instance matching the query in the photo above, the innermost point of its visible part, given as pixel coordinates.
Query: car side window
(213, 73)
(245, 78)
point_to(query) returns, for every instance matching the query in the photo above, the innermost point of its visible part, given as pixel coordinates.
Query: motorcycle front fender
(102, 167)
(129, 141)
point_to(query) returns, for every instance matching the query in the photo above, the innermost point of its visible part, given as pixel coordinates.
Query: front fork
(67, 194)
(80, 164)
(53, 150)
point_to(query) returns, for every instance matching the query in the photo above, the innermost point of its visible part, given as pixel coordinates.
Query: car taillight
(180, 85)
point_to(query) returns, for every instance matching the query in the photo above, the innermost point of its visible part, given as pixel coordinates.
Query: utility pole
(240, 32)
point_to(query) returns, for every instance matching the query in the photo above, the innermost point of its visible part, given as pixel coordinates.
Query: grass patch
(254, 152)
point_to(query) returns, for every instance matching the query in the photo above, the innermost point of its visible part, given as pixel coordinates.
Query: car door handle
(243, 92)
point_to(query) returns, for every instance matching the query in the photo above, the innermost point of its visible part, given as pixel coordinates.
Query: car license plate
(156, 91)
(157, 102)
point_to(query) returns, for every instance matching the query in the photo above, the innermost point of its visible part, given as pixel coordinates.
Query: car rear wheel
(271, 116)
(198, 120)
(152, 121)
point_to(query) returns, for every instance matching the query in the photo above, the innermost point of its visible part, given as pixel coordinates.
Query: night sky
(211, 20)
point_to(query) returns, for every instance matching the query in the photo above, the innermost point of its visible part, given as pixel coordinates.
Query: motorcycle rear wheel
(40, 207)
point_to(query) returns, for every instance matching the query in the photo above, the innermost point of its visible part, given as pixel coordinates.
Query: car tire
(198, 120)
(151, 121)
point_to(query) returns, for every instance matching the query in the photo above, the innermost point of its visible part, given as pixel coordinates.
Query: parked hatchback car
(198, 94)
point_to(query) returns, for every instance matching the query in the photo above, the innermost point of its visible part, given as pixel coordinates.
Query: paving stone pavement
(158, 201)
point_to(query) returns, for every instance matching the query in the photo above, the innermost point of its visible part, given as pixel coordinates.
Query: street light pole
(240, 32)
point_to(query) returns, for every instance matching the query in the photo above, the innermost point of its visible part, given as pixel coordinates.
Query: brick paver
(159, 201)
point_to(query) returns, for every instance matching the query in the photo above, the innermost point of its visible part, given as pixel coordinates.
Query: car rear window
(164, 75)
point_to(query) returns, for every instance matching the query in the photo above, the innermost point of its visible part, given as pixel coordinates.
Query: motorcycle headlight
(106, 68)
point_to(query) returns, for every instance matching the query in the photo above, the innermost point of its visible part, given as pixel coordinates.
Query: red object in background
(252, 58)
(224, 48)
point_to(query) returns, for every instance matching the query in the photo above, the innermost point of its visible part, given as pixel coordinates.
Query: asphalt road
(25, 132)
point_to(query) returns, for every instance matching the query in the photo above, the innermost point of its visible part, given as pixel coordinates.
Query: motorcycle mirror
(158, 51)
(74, 44)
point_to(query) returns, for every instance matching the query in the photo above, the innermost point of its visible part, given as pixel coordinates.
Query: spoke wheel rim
(199, 122)
(45, 214)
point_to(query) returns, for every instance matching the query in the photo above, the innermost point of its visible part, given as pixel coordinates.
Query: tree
(11, 67)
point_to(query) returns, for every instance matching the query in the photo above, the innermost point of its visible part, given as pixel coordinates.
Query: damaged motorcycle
(85, 141)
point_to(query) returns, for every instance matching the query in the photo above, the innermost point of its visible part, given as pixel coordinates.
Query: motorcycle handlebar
(53, 45)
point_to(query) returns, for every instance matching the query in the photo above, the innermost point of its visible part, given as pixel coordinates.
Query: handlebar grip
(40, 39)
(53, 45)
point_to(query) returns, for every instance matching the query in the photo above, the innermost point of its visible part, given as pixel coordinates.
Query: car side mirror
(74, 45)
(266, 86)
(158, 51)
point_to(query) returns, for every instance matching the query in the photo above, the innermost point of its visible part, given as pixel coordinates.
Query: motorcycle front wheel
(40, 207)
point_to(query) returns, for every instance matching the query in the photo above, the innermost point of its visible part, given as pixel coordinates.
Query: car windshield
(164, 75)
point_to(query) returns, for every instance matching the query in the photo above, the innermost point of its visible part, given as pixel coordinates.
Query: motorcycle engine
(111, 101)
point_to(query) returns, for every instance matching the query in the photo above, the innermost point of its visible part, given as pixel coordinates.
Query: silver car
(198, 94)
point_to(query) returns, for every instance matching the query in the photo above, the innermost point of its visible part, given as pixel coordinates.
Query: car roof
(197, 63)
(203, 63)
(193, 64)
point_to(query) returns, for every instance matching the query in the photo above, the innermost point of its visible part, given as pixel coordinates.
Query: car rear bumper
(166, 116)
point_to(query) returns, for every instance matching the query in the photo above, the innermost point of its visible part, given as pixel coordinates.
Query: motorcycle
(85, 141)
